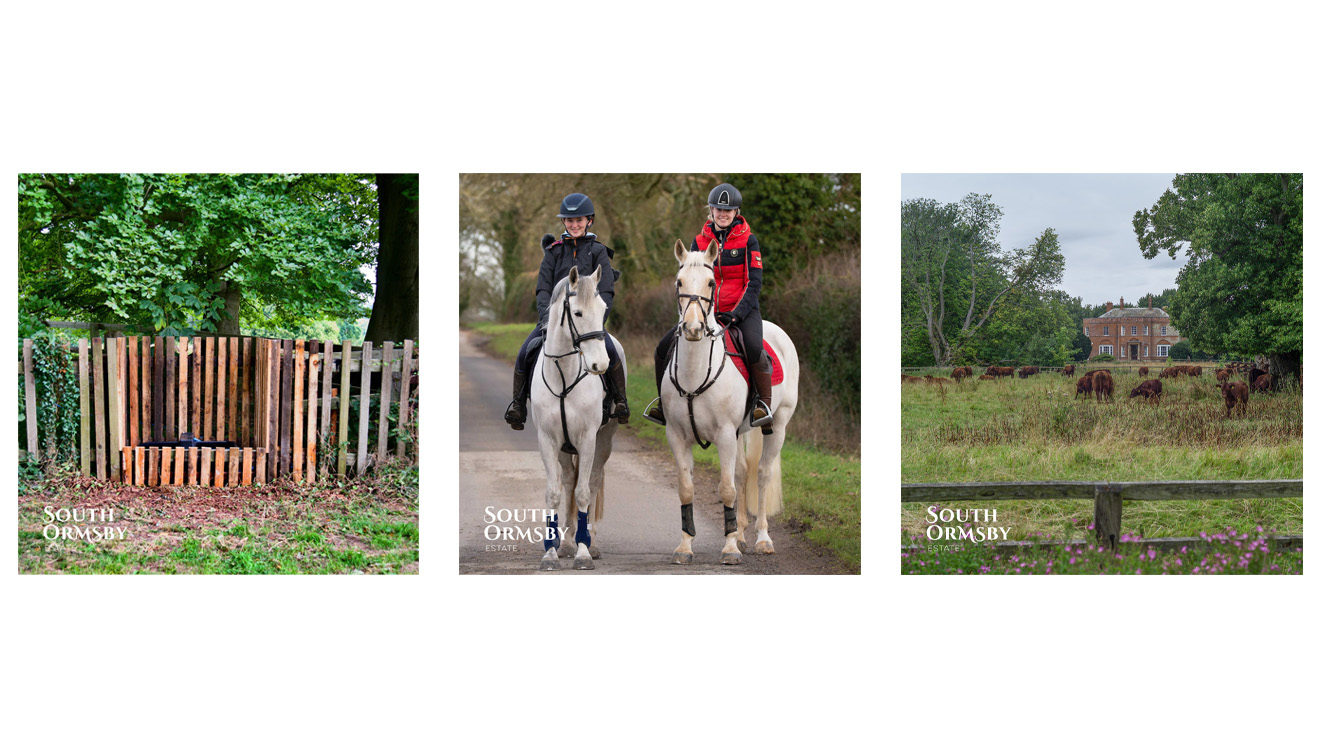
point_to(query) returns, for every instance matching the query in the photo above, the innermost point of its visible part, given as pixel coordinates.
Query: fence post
(405, 383)
(364, 407)
(1108, 515)
(84, 410)
(30, 388)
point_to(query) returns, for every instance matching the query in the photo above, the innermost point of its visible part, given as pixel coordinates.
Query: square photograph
(1101, 374)
(218, 373)
(660, 373)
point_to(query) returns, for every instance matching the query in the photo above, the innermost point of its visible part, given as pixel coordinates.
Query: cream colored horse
(704, 400)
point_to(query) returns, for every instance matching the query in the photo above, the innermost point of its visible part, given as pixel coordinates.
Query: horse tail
(752, 488)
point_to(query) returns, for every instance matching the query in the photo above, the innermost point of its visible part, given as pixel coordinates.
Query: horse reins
(567, 446)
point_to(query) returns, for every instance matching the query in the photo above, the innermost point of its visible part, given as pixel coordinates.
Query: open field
(1034, 430)
(822, 490)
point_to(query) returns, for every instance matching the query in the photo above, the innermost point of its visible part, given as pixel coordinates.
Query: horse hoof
(765, 546)
(731, 559)
(583, 563)
(683, 558)
(742, 545)
(595, 552)
(549, 564)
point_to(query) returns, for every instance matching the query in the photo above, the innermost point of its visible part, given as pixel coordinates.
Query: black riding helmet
(576, 204)
(725, 196)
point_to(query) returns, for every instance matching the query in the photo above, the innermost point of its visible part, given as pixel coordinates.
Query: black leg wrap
(689, 526)
(730, 520)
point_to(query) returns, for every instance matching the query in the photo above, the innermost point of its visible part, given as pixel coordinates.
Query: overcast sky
(1092, 214)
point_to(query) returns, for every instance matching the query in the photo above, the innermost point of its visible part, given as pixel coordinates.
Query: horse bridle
(709, 380)
(578, 338)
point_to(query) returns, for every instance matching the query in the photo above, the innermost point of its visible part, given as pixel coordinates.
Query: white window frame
(1147, 329)
(1086, 330)
(1164, 331)
(1106, 331)
(1107, 349)
(1162, 351)
(1147, 353)
(1122, 351)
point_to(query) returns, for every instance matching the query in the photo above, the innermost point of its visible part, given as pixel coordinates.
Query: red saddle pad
(776, 371)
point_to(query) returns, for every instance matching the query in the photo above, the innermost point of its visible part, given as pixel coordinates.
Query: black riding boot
(619, 387)
(516, 413)
(655, 413)
(761, 413)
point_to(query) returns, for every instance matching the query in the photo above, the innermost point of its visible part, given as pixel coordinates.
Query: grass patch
(822, 490)
(1034, 430)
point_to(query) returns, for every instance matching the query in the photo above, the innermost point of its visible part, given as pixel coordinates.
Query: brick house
(1131, 333)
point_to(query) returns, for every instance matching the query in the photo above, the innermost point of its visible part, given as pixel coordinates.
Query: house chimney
(1109, 305)
(1150, 301)
(1120, 302)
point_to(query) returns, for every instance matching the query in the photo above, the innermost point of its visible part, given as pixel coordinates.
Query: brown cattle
(1143, 371)
(1223, 374)
(1068, 370)
(986, 376)
(1194, 371)
(1029, 370)
(1170, 373)
(1263, 383)
(960, 372)
(1104, 386)
(1235, 393)
(999, 371)
(1084, 386)
(1255, 373)
(937, 380)
(1151, 389)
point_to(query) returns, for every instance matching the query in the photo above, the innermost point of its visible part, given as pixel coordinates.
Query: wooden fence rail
(274, 398)
(1109, 497)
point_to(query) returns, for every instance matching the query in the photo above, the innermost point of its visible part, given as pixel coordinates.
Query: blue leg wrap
(552, 539)
(582, 536)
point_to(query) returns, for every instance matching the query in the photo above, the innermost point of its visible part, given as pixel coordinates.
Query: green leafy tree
(184, 253)
(958, 276)
(1241, 289)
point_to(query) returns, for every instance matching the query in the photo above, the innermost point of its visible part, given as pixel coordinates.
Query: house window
(1086, 331)
(1164, 331)
(1147, 329)
(1106, 333)
(1146, 351)
(1107, 349)
(1162, 351)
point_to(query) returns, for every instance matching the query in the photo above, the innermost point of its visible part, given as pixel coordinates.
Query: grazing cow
(1263, 383)
(907, 378)
(1223, 374)
(1084, 386)
(1255, 373)
(986, 376)
(1151, 389)
(1068, 370)
(1170, 373)
(1235, 393)
(1029, 370)
(1104, 386)
(937, 380)
(1193, 371)
(1143, 371)
(999, 371)
(960, 372)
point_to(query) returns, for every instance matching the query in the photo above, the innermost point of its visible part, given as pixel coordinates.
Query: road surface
(500, 469)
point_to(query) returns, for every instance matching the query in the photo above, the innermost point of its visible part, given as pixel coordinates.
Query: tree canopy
(967, 298)
(186, 253)
(1241, 289)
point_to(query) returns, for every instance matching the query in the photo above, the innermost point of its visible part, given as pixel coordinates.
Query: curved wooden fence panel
(273, 399)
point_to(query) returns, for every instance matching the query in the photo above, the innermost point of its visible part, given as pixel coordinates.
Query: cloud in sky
(1092, 214)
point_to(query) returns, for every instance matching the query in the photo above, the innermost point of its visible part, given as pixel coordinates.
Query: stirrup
(512, 420)
(654, 406)
(764, 420)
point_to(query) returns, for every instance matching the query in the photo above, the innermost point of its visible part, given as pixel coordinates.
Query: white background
(678, 86)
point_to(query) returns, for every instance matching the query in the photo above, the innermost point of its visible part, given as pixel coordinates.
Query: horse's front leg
(683, 458)
(554, 492)
(727, 444)
(568, 522)
(582, 501)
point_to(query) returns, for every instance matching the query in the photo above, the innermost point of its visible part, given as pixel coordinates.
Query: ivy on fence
(54, 371)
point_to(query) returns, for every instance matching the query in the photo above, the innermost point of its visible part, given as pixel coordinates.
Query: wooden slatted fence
(1108, 498)
(276, 398)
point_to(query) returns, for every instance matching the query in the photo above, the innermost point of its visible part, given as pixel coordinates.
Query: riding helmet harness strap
(582, 372)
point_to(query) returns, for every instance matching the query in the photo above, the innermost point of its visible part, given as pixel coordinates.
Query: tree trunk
(233, 294)
(394, 313)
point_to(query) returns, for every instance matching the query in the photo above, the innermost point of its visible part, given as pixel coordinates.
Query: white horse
(567, 397)
(705, 402)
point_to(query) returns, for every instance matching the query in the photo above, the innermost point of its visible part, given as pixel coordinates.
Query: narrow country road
(501, 469)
